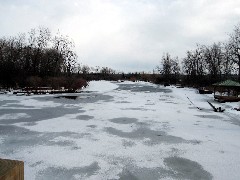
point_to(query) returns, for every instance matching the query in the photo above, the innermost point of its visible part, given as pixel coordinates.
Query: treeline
(205, 65)
(37, 58)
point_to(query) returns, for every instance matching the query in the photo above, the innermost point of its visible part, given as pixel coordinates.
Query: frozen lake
(127, 130)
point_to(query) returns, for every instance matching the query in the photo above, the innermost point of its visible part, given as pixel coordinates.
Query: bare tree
(234, 47)
(214, 58)
(169, 68)
(228, 64)
(165, 70)
(189, 66)
(175, 68)
(38, 39)
(65, 48)
(195, 66)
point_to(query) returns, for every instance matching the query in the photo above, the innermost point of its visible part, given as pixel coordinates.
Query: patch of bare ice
(14, 116)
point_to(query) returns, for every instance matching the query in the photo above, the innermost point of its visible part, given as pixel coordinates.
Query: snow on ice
(121, 130)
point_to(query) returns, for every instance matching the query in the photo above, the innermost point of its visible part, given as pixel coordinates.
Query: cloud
(123, 34)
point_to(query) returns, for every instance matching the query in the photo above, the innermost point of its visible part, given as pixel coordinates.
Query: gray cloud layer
(129, 35)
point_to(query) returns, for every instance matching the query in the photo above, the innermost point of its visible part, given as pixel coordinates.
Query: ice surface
(14, 116)
(121, 130)
(100, 86)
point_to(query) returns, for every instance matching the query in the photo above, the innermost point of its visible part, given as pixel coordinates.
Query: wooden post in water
(11, 169)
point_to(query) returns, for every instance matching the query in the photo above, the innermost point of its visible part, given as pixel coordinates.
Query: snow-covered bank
(127, 130)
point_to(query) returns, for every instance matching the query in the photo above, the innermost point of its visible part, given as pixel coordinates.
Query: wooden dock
(11, 169)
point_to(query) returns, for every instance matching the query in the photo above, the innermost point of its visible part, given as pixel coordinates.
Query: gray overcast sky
(127, 35)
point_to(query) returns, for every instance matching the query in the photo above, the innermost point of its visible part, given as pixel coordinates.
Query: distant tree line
(205, 64)
(37, 58)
